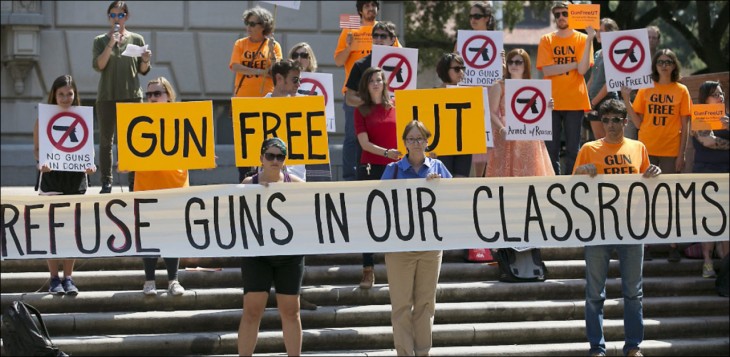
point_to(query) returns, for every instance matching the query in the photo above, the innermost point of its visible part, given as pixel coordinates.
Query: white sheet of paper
(134, 50)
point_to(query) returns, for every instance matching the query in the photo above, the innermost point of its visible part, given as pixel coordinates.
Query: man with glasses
(383, 35)
(614, 154)
(564, 56)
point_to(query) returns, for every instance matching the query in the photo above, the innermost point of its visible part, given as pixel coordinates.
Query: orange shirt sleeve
(685, 104)
(544, 55)
(639, 101)
(341, 43)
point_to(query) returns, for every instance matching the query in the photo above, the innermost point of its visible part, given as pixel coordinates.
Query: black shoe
(674, 255)
(106, 187)
(306, 305)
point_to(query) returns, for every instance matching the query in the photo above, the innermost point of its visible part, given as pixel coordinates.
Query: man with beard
(564, 56)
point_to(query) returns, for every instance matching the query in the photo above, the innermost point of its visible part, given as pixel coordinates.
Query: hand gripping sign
(482, 53)
(528, 114)
(320, 84)
(399, 64)
(627, 59)
(65, 137)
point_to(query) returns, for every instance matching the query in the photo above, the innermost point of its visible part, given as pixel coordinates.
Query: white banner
(66, 137)
(369, 216)
(482, 53)
(627, 59)
(528, 115)
(320, 84)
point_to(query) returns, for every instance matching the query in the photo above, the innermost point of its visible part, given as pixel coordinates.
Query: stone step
(334, 295)
(150, 322)
(318, 275)
(380, 337)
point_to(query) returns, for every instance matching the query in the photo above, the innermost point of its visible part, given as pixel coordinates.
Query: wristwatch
(385, 153)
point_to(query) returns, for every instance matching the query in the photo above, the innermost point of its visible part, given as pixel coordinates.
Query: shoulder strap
(255, 179)
(287, 178)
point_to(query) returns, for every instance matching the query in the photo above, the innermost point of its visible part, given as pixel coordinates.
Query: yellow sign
(455, 117)
(299, 121)
(165, 136)
(707, 116)
(581, 16)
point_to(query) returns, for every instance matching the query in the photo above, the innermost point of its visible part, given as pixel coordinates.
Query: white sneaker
(175, 288)
(150, 288)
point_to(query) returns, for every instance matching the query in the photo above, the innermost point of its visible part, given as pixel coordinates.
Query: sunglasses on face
(382, 36)
(253, 24)
(664, 63)
(615, 120)
(155, 94)
(477, 16)
(718, 94)
(458, 68)
(119, 16)
(302, 55)
(271, 156)
(515, 62)
(563, 13)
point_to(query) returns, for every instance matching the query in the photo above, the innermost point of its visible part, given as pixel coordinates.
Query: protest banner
(369, 216)
(481, 51)
(66, 137)
(165, 136)
(320, 84)
(580, 16)
(299, 121)
(528, 115)
(627, 59)
(399, 64)
(707, 116)
(455, 117)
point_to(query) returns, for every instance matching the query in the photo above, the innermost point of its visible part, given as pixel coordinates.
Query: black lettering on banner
(369, 215)
(28, 227)
(52, 225)
(436, 125)
(292, 133)
(568, 218)
(690, 193)
(277, 122)
(270, 208)
(709, 200)
(585, 209)
(665, 187)
(189, 136)
(140, 224)
(532, 201)
(459, 107)
(127, 242)
(244, 132)
(203, 222)
(630, 203)
(256, 228)
(475, 214)
(312, 133)
(602, 206)
(331, 212)
(216, 224)
(77, 229)
(503, 216)
(130, 133)
(420, 192)
(8, 226)
(176, 143)
(396, 216)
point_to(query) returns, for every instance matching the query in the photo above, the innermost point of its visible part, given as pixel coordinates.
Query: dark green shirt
(119, 79)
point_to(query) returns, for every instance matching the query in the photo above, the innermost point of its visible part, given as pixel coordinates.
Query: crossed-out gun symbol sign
(398, 73)
(484, 52)
(632, 58)
(71, 135)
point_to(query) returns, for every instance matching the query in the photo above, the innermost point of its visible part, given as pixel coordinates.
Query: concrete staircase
(476, 315)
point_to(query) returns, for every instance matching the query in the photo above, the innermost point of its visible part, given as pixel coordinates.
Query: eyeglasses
(614, 120)
(382, 36)
(664, 63)
(119, 16)
(271, 156)
(376, 81)
(515, 62)
(557, 14)
(718, 94)
(415, 141)
(458, 68)
(477, 16)
(302, 55)
(253, 24)
(156, 94)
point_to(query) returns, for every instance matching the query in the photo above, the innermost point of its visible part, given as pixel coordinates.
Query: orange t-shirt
(362, 45)
(248, 53)
(158, 180)
(663, 108)
(629, 157)
(569, 89)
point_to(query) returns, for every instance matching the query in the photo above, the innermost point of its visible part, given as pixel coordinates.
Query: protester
(655, 38)
(303, 54)
(119, 82)
(56, 182)
(711, 156)
(591, 161)
(252, 57)
(564, 56)
(662, 115)
(285, 271)
(159, 90)
(597, 89)
(450, 69)
(375, 126)
(413, 276)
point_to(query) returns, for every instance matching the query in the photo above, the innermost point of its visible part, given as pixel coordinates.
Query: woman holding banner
(375, 128)
(413, 276)
(54, 182)
(285, 271)
(711, 152)
(450, 69)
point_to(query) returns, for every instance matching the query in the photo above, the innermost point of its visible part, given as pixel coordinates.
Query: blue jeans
(571, 121)
(351, 150)
(631, 260)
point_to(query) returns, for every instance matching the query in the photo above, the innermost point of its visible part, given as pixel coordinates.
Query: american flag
(349, 21)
